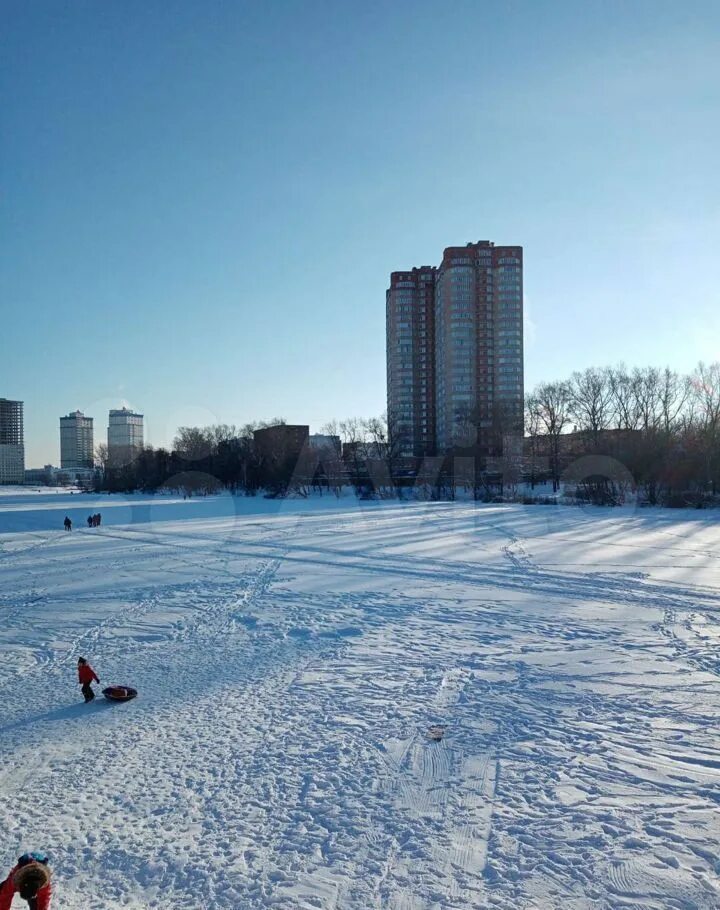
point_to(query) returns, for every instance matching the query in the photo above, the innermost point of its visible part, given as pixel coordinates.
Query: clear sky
(201, 201)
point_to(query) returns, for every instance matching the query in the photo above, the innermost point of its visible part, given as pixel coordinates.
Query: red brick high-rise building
(410, 333)
(455, 350)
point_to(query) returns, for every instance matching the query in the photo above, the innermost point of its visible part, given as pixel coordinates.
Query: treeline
(659, 427)
(204, 460)
(605, 433)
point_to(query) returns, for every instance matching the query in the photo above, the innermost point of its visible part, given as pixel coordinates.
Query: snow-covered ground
(291, 658)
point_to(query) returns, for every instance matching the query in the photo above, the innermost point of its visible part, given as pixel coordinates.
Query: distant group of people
(93, 521)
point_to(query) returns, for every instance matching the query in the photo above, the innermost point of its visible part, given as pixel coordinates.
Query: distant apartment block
(455, 350)
(282, 442)
(325, 442)
(12, 442)
(125, 435)
(76, 441)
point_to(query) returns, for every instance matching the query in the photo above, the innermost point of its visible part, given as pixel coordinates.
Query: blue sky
(201, 202)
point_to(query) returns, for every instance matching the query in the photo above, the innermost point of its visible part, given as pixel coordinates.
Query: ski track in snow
(290, 666)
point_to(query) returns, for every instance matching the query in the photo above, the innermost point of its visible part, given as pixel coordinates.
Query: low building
(282, 442)
(325, 441)
(41, 476)
(284, 455)
(50, 476)
(539, 451)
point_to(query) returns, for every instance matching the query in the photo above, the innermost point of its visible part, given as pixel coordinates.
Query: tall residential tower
(455, 374)
(410, 332)
(125, 435)
(478, 344)
(12, 442)
(76, 441)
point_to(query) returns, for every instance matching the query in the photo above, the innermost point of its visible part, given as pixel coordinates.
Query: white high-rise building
(12, 442)
(125, 434)
(76, 441)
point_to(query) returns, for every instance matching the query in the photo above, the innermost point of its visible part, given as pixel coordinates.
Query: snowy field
(291, 658)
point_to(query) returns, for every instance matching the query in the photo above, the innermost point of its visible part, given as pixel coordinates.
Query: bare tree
(331, 428)
(706, 392)
(102, 456)
(647, 390)
(222, 432)
(533, 424)
(591, 401)
(376, 434)
(673, 393)
(624, 399)
(353, 434)
(193, 443)
(385, 449)
(551, 401)
(705, 384)
(247, 429)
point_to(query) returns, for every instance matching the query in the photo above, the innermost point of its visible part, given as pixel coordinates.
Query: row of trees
(662, 426)
(205, 459)
(657, 430)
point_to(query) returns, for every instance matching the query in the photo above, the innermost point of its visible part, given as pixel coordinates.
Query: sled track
(289, 670)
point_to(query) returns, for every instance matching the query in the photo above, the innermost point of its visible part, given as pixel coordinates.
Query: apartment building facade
(478, 344)
(410, 334)
(12, 441)
(455, 373)
(125, 435)
(76, 441)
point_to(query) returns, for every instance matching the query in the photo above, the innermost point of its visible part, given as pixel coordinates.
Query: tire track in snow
(448, 795)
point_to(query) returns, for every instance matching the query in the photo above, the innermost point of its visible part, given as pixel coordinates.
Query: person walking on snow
(91, 520)
(86, 675)
(68, 524)
(30, 878)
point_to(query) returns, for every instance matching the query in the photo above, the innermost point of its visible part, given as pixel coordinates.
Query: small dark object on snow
(436, 733)
(119, 693)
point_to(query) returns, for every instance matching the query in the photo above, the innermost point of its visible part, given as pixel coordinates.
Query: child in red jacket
(30, 878)
(86, 675)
